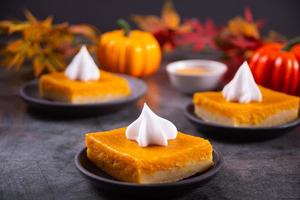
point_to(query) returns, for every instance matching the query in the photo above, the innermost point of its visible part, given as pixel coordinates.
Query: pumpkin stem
(291, 43)
(125, 26)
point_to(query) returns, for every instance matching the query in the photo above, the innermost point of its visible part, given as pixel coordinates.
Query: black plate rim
(195, 119)
(45, 102)
(188, 181)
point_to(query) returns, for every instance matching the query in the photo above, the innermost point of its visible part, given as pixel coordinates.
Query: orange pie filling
(276, 108)
(125, 160)
(56, 86)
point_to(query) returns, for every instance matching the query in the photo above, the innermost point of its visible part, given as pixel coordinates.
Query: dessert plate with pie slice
(241, 133)
(109, 184)
(29, 92)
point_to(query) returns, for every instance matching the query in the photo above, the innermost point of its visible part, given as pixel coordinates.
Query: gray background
(280, 15)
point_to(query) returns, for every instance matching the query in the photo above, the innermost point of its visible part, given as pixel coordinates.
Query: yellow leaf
(169, 19)
(43, 43)
(17, 27)
(49, 66)
(16, 61)
(29, 16)
(38, 66)
(12, 27)
(5, 23)
(61, 26)
(148, 23)
(238, 26)
(15, 46)
(33, 50)
(184, 28)
(274, 36)
(47, 23)
(169, 15)
(20, 62)
(34, 33)
(57, 61)
(86, 30)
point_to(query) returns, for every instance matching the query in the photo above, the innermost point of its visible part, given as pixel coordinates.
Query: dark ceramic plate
(108, 184)
(30, 94)
(237, 133)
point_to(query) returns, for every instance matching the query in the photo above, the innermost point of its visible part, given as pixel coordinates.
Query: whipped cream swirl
(82, 67)
(242, 88)
(149, 129)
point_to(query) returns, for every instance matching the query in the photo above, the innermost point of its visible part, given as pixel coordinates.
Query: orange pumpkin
(136, 53)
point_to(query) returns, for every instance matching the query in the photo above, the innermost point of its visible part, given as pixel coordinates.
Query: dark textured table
(37, 151)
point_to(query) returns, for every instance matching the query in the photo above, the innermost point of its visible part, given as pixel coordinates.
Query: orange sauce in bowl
(192, 71)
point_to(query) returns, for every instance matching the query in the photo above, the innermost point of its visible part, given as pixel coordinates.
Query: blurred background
(282, 16)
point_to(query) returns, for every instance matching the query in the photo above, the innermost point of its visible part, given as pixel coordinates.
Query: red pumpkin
(275, 66)
(296, 50)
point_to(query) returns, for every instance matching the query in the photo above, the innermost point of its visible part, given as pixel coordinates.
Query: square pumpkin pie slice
(56, 86)
(125, 160)
(276, 108)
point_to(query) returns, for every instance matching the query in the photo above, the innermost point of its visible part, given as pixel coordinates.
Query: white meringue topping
(82, 67)
(149, 129)
(242, 88)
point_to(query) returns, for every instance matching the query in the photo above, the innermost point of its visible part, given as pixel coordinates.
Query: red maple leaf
(248, 15)
(249, 18)
(246, 43)
(200, 36)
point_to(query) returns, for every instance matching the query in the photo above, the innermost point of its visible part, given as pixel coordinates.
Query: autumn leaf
(33, 50)
(9, 27)
(244, 43)
(166, 39)
(169, 19)
(164, 27)
(56, 60)
(38, 66)
(16, 61)
(47, 23)
(85, 30)
(148, 23)
(239, 26)
(240, 38)
(49, 66)
(16, 46)
(274, 36)
(201, 35)
(29, 16)
(169, 15)
(245, 25)
(45, 44)
(248, 15)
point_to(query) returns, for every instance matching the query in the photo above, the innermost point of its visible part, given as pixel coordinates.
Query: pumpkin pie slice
(123, 159)
(275, 109)
(56, 86)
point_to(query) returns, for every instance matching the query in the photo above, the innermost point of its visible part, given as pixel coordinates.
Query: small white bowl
(190, 83)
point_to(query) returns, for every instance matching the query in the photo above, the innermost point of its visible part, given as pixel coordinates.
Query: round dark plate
(108, 184)
(237, 133)
(30, 94)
